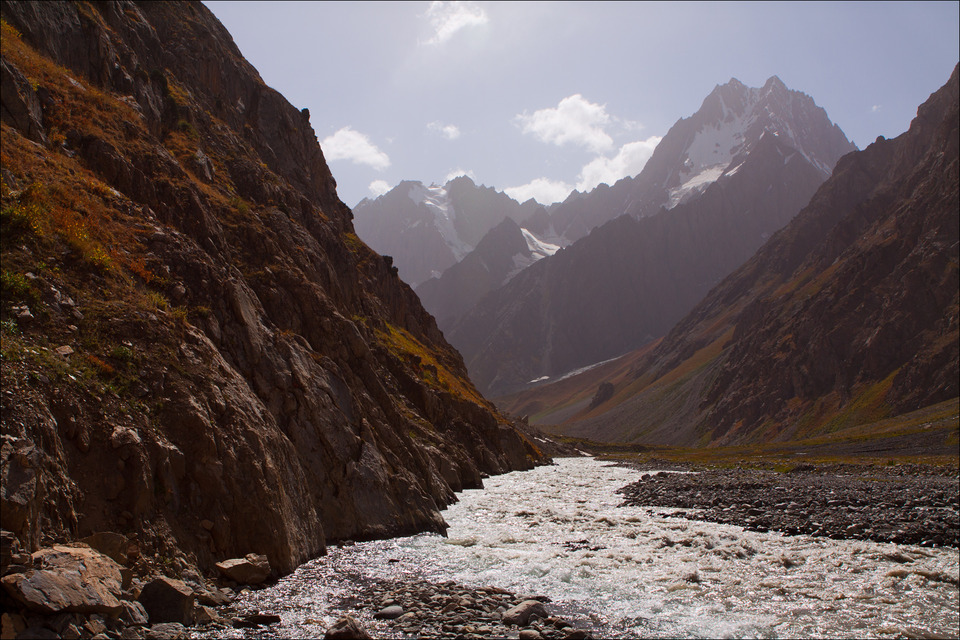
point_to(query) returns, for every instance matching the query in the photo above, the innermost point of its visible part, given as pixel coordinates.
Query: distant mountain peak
(732, 120)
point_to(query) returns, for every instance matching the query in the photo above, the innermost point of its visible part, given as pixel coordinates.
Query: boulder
(109, 543)
(346, 628)
(520, 614)
(167, 600)
(252, 569)
(389, 613)
(76, 579)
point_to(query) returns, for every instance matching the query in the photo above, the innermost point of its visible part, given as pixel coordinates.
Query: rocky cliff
(846, 317)
(198, 351)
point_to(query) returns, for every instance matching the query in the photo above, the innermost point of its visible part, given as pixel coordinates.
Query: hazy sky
(538, 98)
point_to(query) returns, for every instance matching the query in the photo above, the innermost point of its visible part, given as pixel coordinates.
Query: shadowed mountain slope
(198, 351)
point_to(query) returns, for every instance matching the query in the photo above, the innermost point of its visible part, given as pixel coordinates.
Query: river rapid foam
(637, 572)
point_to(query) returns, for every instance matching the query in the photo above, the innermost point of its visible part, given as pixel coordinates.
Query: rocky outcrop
(199, 353)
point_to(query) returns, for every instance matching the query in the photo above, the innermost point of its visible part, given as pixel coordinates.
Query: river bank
(914, 505)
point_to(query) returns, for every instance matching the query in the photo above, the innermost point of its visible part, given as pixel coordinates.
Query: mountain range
(719, 184)
(842, 321)
(427, 229)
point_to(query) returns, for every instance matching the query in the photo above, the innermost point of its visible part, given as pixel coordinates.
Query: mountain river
(634, 572)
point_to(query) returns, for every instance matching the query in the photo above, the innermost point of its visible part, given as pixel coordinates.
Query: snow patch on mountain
(716, 144)
(436, 200)
(696, 184)
(537, 247)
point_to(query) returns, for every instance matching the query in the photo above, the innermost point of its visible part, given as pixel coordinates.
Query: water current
(637, 572)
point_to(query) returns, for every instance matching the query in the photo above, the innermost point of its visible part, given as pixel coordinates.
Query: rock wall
(198, 350)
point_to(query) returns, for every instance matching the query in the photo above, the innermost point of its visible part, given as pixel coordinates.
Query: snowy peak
(731, 121)
(428, 229)
(436, 200)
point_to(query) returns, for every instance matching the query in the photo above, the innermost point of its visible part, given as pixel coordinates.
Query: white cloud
(448, 131)
(574, 121)
(628, 162)
(543, 190)
(379, 187)
(447, 18)
(347, 144)
(456, 173)
(875, 108)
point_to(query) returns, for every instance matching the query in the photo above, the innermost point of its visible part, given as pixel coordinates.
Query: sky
(537, 99)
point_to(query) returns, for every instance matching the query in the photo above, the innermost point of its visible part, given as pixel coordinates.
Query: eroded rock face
(243, 375)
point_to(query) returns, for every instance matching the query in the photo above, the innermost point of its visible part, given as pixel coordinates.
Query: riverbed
(559, 531)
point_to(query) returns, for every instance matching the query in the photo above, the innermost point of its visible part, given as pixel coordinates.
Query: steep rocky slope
(847, 316)
(630, 280)
(198, 351)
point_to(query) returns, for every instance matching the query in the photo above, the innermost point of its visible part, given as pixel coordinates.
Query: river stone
(76, 579)
(389, 613)
(520, 614)
(167, 600)
(252, 569)
(346, 628)
(530, 634)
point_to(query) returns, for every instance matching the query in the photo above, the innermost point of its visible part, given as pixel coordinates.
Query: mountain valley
(231, 406)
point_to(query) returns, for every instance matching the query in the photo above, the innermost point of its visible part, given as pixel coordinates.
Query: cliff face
(198, 351)
(846, 317)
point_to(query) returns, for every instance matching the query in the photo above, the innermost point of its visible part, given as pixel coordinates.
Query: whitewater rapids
(635, 572)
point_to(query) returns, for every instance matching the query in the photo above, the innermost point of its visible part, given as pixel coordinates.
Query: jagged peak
(774, 83)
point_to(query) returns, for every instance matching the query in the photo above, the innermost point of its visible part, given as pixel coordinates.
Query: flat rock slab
(73, 579)
(251, 569)
(166, 631)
